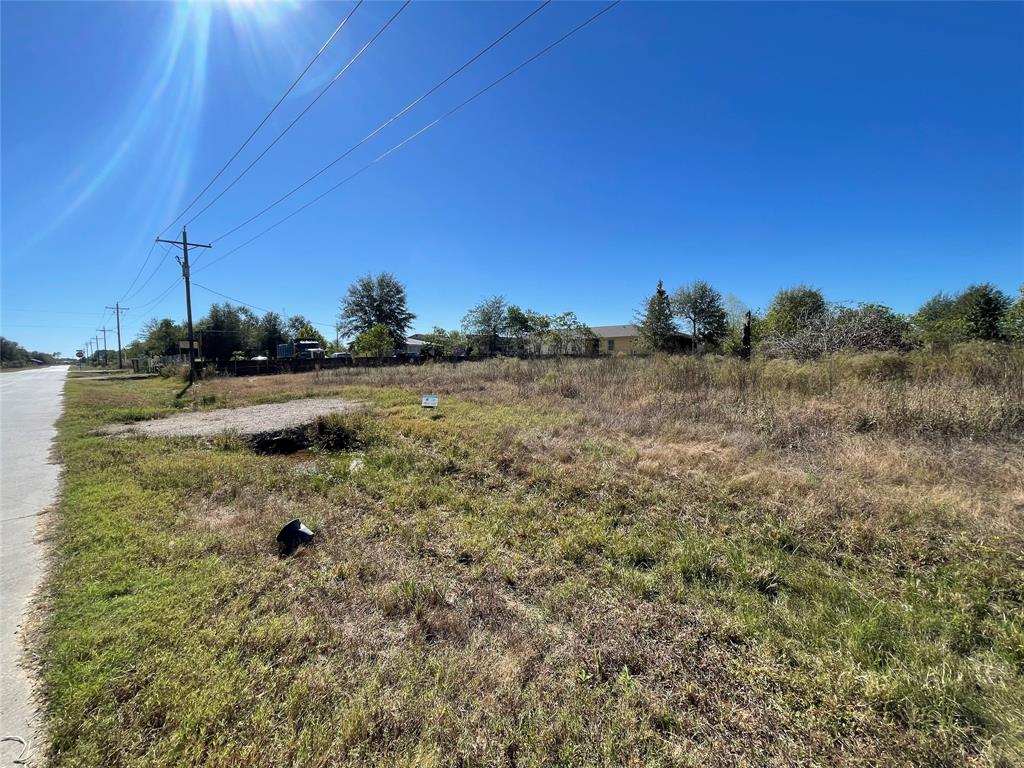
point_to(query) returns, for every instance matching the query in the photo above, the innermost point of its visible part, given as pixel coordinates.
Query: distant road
(30, 403)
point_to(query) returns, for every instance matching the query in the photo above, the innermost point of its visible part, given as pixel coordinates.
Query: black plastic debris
(292, 536)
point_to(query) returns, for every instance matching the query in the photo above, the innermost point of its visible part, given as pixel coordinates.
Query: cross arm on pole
(178, 242)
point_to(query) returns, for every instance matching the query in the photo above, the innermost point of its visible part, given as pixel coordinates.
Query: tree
(225, 331)
(701, 304)
(865, 328)
(442, 342)
(376, 342)
(936, 321)
(1013, 320)
(735, 317)
(567, 335)
(793, 310)
(301, 328)
(372, 301)
(977, 312)
(658, 330)
(489, 321)
(270, 332)
(982, 308)
(160, 337)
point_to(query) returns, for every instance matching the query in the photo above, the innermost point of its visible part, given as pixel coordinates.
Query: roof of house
(412, 341)
(615, 331)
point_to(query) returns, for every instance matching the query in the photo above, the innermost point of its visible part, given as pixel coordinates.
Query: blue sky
(873, 150)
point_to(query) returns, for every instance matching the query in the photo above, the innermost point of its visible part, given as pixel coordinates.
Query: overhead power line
(266, 117)
(159, 296)
(279, 136)
(152, 274)
(387, 122)
(420, 132)
(139, 273)
(252, 306)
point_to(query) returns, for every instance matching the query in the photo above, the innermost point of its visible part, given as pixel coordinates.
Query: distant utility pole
(97, 338)
(188, 297)
(105, 329)
(118, 309)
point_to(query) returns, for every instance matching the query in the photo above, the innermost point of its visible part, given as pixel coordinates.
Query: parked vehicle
(340, 356)
(300, 349)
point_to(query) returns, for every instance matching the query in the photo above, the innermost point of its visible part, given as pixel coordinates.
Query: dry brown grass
(595, 562)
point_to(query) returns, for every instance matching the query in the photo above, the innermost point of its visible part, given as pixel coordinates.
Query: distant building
(413, 346)
(616, 339)
(625, 339)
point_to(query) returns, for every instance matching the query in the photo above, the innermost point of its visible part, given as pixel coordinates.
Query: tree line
(798, 322)
(13, 355)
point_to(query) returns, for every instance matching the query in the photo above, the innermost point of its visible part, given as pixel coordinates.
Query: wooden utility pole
(118, 309)
(97, 338)
(106, 362)
(188, 297)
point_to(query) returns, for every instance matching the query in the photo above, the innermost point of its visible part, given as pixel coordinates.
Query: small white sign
(429, 401)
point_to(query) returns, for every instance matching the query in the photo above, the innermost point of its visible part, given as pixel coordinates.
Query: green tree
(160, 337)
(12, 354)
(442, 342)
(225, 331)
(488, 321)
(982, 308)
(936, 321)
(658, 331)
(793, 310)
(701, 305)
(375, 342)
(1013, 320)
(270, 332)
(977, 312)
(568, 335)
(372, 301)
(301, 328)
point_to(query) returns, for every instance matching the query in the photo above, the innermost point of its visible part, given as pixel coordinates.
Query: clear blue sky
(873, 150)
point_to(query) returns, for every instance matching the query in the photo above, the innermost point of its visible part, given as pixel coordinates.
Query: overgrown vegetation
(668, 561)
(13, 355)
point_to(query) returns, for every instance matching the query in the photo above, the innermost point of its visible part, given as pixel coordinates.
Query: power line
(139, 273)
(162, 293)
(156, 268)
(251, 306)
(387, 122)
(273, 109)
(341, 72)
(420, 132)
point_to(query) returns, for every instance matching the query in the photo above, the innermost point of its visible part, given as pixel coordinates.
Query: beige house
(625, 340)
(616, 339)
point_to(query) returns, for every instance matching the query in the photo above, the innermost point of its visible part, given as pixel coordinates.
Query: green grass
(508, 582)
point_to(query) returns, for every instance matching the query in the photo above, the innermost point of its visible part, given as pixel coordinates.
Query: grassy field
(600, 562)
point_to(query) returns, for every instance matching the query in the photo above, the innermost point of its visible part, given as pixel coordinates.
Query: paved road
(30, 402)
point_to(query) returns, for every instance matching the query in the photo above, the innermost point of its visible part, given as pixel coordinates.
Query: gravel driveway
(247, 421)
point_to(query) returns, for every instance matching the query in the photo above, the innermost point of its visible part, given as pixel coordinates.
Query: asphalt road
(30, 403)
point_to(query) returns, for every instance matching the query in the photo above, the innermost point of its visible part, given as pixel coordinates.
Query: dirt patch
(248, 422)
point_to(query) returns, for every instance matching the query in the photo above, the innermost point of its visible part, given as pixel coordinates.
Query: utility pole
(118, 309)
(188, 297)
(97, 338)
(105, 329)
